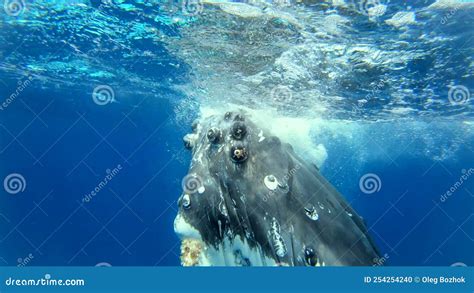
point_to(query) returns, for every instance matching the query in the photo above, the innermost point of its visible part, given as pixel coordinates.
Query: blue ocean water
(94, 90)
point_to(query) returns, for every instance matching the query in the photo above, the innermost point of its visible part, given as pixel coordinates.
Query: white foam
(245, 10)
(296, 131)
(239, 9)
(402, 110)
(402, 18)
(339, 3)
(376, 11)
(448, 4)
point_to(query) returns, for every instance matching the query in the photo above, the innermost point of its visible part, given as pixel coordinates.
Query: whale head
(250, 200)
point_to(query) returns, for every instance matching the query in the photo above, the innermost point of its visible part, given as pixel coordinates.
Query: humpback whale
(250, 200)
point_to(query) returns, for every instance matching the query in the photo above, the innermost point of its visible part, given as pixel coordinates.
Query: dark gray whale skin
(299, 220)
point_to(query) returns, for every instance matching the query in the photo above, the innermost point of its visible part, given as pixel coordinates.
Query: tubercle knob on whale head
(239, 130)
(214, 135)
(238, 153)
(195, 125)
(189, 140)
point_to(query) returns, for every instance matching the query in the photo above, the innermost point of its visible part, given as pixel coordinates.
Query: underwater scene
(237, 133)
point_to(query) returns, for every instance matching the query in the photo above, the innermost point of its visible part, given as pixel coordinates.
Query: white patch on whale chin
(184, 229)
(235, 252)
(230, 252)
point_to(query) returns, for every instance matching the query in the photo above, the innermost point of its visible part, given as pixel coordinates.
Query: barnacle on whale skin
(191, 250)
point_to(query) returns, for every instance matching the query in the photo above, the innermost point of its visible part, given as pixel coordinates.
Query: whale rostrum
(250, 200)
